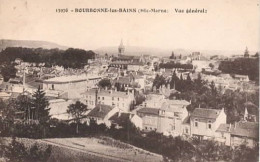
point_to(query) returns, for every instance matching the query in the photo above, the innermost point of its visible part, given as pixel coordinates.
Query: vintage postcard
(129, 80)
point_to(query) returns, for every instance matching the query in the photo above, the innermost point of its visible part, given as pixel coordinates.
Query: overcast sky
(227, 25)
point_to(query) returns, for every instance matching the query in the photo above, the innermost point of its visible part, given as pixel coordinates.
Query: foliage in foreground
(175, 149)
(17, 152)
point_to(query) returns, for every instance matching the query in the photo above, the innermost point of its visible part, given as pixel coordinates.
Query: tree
(77, 111)
(172, 56)
(17, 152)
(36, 154)
(139, 99)
(23, 104)
(8, 111)
(211, 65)
(40, 105)
(104, 83)
(8, 71)
(159, 81)
(174, 80)
(213, 88)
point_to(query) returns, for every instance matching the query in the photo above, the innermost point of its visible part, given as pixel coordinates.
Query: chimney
(119, 113)
(100, 109)
(24, 78)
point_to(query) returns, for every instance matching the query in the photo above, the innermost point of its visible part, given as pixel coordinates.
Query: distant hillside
(135, 50)
(29, 44)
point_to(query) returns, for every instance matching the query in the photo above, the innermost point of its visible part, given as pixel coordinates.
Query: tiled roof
(90, 91)
(135, 76)
(178, 102)
(186, 120)
(223, 128)
(152, 96)
(100, 111)
(112, 69)
(240, 76)
(205, 113)
(151, 111)
(120, 119)
(119, 62)
(70, 79)
(110, 93)
(137, 63)
(243, 129)
(123, 80)
(113, 94)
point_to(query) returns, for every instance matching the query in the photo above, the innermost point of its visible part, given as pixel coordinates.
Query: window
(103, 98)
(196, 123)
(118, 99)
(145, 127)
(99, 98)
(187, 130)
(112, 98)
(163, 112)
(209, 124)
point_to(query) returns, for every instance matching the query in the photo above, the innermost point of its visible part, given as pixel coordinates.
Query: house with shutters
(166, 117)
(120, 119)
(204, 122)
(239, 133)
(101, 114)
(120, 100)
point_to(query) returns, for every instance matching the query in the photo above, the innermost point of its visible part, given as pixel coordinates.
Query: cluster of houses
(116, 105)
(169, 117)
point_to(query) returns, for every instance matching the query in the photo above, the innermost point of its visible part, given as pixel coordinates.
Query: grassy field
(91, 149)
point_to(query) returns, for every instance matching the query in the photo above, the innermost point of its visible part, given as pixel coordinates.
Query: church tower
(246, 54)
(121, 49)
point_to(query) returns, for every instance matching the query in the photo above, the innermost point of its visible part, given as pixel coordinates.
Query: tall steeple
(246, 54)
(121, 49)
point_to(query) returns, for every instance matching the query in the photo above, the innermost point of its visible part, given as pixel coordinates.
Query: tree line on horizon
(242, 66)
(70, 58)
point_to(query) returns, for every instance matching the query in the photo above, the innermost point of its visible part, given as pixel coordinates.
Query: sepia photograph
(129, 80)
